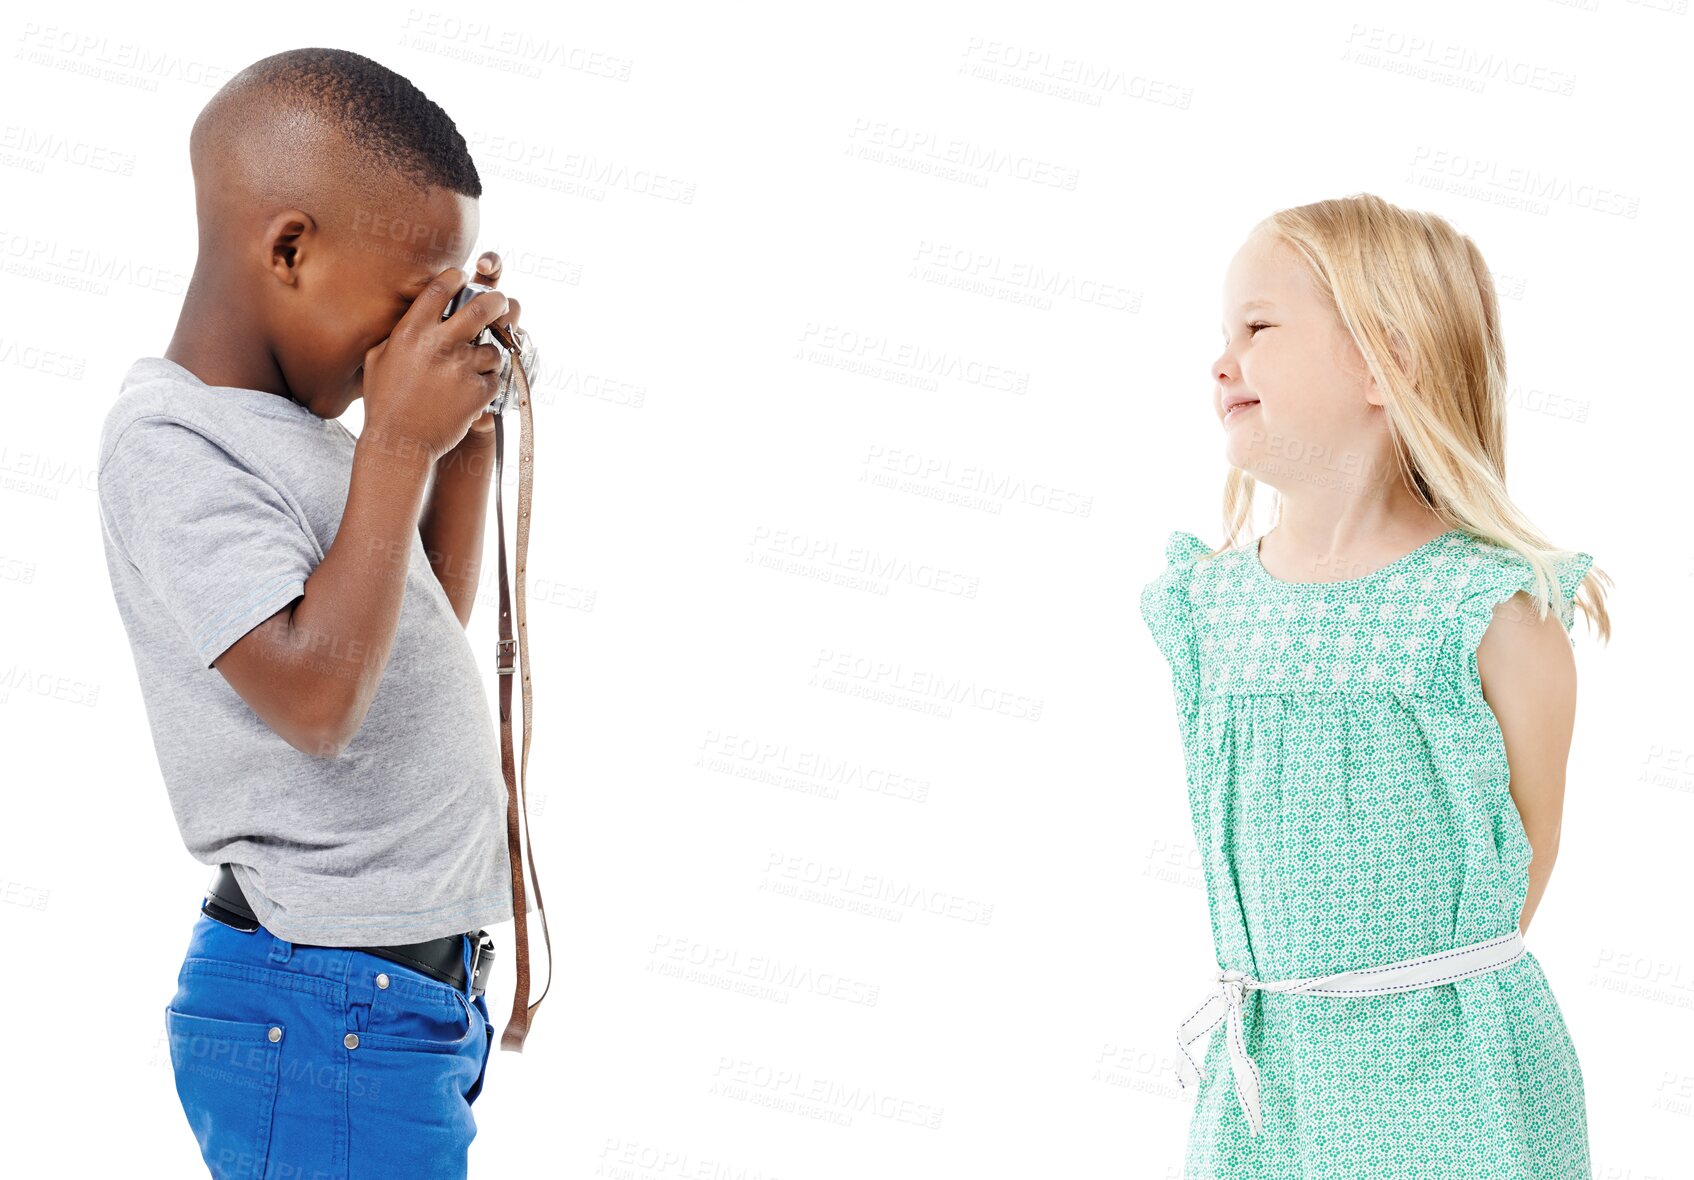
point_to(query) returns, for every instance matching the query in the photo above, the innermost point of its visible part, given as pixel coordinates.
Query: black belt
(439, 958)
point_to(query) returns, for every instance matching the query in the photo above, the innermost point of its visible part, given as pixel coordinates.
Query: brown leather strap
(523, 1012)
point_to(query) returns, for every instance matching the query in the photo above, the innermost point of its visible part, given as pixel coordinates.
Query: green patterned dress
(1351, 802)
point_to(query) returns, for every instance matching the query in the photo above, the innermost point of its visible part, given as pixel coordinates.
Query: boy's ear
(288, 236)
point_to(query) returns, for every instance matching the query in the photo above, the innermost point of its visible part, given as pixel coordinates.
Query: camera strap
(517, 1025)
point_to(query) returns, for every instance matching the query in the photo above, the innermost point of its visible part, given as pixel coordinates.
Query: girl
(1376, 701)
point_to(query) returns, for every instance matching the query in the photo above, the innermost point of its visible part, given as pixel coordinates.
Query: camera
(517, 338)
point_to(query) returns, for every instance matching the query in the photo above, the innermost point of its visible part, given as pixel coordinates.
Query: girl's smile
(1238, 409)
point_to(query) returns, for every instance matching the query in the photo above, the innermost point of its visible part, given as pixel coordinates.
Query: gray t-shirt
(216, 504)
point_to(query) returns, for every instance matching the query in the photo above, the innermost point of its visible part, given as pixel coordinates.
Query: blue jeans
(298, 1062)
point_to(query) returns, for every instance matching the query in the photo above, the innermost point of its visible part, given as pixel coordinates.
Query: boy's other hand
(426, 383)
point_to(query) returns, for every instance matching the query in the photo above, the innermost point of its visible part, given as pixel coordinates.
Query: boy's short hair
(380, 113)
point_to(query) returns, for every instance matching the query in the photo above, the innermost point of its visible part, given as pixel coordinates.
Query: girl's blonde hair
(1419, 302)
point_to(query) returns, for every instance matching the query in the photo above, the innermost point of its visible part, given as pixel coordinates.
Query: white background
(728, 287)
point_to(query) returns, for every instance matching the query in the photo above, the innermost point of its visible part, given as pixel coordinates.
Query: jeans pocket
(437, 1020)
(487, 1050)
(410, 1074)
(227, 1073)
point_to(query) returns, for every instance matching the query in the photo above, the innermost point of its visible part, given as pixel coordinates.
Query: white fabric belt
(1231, 988)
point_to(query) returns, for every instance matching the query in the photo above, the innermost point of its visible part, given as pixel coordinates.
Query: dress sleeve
(213, 540)
(1166, 611)
(1501, 579)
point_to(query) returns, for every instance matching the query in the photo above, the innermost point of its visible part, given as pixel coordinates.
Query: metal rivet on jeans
(382, 980)
(275, 1033)
(351, 1040)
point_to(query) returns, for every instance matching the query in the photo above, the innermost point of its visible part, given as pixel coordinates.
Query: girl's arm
(1529, 680)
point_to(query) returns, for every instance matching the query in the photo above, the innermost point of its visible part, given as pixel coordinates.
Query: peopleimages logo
(951, 158)
(1514, 184)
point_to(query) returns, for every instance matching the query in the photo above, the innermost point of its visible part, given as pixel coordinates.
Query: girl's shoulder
(1166, 609)
(1185, 555)
(1482, 574)
(1183, 552)
(1164, 600)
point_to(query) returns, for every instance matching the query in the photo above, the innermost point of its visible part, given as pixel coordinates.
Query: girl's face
(1308, 406)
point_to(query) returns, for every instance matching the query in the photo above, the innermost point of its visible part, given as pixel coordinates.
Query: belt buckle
(482, 961)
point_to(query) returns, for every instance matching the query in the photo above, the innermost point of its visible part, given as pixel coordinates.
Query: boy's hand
(488, 274)
(427, 383)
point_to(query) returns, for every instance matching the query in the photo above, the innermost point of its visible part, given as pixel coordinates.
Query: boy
(296, 600)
